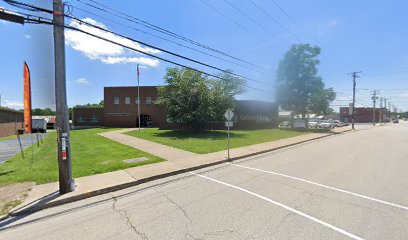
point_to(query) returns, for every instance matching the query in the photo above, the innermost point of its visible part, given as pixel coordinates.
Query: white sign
(229, 124)
(229, 114)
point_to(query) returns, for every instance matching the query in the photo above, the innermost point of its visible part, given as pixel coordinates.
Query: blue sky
(368, 36)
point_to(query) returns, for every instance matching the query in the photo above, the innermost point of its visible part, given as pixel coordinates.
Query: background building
(120, 110)
(10, 121)
(364, 115)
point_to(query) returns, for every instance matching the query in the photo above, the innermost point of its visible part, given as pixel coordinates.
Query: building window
(94, 119)
(148, 100)
(127, 100)
(80, 119)
(137, 100)
(116, 100)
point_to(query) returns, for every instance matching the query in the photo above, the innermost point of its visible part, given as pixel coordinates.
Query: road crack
(129, 223)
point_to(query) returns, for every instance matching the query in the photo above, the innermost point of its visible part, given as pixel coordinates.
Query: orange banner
(27, 99)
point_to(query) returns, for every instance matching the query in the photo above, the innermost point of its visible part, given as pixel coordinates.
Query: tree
(43, 112)
(299, 87)
(192, 100)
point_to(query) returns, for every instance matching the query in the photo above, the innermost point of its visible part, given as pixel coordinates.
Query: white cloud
(98, 49)
(13, 104)
(333, 23)
(27, 36)
(82, 81)
(141, 60)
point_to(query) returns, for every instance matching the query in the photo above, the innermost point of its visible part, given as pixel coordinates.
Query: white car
(314, 123)
(337, 123)
(327, 124)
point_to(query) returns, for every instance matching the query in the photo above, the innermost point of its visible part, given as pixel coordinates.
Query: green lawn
(211, 141)
(91, 154)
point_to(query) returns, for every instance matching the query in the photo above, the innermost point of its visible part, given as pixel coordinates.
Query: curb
(79, 197)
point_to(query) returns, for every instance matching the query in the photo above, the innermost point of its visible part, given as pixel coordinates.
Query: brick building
(120, 110)
(363, 115)
(87, 117)
(10, 121)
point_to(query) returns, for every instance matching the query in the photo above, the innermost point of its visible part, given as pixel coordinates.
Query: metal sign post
(229, 115)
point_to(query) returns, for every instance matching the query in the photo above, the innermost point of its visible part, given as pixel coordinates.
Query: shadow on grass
(6, 173)
(217, 135)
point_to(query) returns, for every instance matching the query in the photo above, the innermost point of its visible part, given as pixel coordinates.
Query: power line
(163, 50)
(159, 29)
(34, 8)
(248, 17)
(294, 20)
(231, 20)
(271, 17)
(162, 38)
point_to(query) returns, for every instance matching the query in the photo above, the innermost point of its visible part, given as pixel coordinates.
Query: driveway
(11, 147)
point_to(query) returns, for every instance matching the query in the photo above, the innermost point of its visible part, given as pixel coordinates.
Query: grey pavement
(348, 186)
(11, 147)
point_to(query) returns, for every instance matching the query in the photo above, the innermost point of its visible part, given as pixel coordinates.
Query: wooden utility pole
(354, 75)
(374, 98)
(66, 182)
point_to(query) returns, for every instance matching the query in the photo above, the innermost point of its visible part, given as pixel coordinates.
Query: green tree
(42, 112)
(299, 87)
(192, 100)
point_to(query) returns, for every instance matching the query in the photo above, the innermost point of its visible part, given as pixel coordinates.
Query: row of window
(93, 119)
(116, 100)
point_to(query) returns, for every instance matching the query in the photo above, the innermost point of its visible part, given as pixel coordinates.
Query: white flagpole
(138, 97)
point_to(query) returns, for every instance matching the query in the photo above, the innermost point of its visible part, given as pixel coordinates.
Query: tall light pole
(66, 182)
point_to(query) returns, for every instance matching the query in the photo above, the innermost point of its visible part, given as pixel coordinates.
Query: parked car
(345, 124)
(285, 124)
(337, 123)
(314, 123)
(327, 124)
(395, 120)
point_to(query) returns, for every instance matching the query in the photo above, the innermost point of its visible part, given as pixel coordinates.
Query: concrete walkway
(46, 195)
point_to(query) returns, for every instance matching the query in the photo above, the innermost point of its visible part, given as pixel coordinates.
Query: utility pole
(380, 112)
(374, 98)
(385, 112)
(389, 110)
(354, 75)
(66, 182)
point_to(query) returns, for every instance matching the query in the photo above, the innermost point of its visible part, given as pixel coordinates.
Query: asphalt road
(11, 147)
(348, 186)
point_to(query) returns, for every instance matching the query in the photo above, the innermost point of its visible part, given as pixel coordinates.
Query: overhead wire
(271, 17)
(294, 20)
(144, 23)
(250, 18)
(159, 37)
(35, 8)
(163, 50)
(231, 20)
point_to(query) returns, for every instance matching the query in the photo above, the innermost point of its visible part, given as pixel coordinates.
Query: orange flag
(27, 99)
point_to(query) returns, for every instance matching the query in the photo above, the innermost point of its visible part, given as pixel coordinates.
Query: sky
(367, 36)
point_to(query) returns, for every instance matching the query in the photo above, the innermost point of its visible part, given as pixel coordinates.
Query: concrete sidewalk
(178, 161)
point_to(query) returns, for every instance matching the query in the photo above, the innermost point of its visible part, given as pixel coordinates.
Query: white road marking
(337, 229)
(325, 186)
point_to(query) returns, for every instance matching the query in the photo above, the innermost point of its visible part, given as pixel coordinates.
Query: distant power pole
(374, 98)
(66, 182)
(389, 110)
(354, 75)
(385, 111)
(380, 112)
